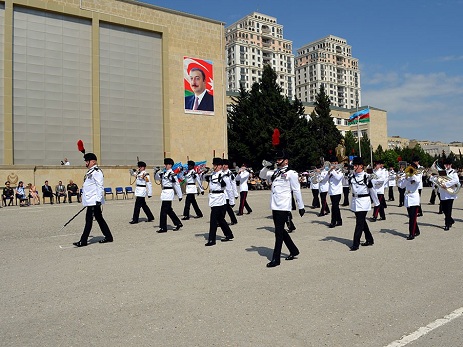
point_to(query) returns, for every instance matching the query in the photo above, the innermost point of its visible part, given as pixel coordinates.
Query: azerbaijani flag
(362, 116)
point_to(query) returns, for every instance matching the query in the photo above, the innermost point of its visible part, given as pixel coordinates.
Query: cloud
(421, 106)
(450, 58)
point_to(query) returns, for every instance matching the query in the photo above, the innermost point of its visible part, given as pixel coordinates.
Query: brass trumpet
(441, 181)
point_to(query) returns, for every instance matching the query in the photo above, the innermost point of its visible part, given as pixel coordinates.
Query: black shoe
(228, 238)
(353, 248)
(210, 243)
(292, 256)
(249, 212)
(273, 264)
(185, 218)
(161, 231)
(196, 217)
(133, 222)
(417, 234)
(400, 205)
(431, 203)
(440, 212)
(239, 214)
(79, 244)
(368, 243)
(373, 219)
(338, 224)
(321, 214)
(380, 218)
(149, 220)
(331, 225)
(177, 227)
(410, 237)
(420, 215)
(233, 223)
(105, 240)
(446, 228)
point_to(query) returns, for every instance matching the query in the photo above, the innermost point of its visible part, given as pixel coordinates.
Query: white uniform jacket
(169, 184)
(378, 184)
(143, 186)
(345, 180)
(411, 184)
(193, 180)
(391, 177)
(334, 179)
(323, 185)
(230, 188)
(314, 185)
(242, 178)
(216, 189)
(360, 192)
(420, 177)
(283, 181)
(93, 187)
(444, 195)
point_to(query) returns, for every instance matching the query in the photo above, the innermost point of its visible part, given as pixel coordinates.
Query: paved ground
(149, 289)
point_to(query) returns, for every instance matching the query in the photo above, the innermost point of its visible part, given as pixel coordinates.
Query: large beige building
(253, 41)
(328, 62)
(109, 72)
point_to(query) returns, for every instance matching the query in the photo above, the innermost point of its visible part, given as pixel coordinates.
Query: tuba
(441, 181)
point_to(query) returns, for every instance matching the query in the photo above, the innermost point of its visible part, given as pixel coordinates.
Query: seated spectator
(60, 191)
(47, 192)
(21, 194)
(34, 194)
(73, 190)
(8, 194)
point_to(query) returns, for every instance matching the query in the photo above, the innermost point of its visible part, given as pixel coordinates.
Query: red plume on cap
(276, 137)
(80, 146)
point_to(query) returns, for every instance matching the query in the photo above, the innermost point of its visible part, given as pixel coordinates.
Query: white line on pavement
(405, 340)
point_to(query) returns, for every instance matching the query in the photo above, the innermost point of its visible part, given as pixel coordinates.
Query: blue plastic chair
(119, 191)
(108, 191)
(129, 190)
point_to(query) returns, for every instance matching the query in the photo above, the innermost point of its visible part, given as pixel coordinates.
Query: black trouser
(432, 200)
(380, 207)
(281, 235)
(244, 203)
(391, 193)
(345, 192)
(316, 200)
(191, 200)
(140, 202)
(166, 210)
(231, 214)
(401, 196)
(324, 207)
(95, 211)
(73, 194)
(447, 209)
(48, 195)
(335, 210)
(361, 226)
(420, 211)
(289, 223)
(218, 219)
(413, 228)
(6, 198)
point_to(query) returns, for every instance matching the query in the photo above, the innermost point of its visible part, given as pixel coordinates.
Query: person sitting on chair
(73, 190)
(33, 194)
(60, 191)
(47, 192)
(21, 194)
(8, 193)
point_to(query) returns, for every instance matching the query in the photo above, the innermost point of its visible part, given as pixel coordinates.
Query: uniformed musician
(345, 185)
(170, 186)
(93, 198)
(391, 183)
(193, 187)
(412, 201)
(378, 187)
(445, 196)
(230, 190)
(143, 189)
(323, 187)
(315, 186)
(360, 204)
(217, 202)
(283, 181)
(334, 179)
(242, 179)
(419, 175)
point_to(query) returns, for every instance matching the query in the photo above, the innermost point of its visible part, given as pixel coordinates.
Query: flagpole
(358, 127)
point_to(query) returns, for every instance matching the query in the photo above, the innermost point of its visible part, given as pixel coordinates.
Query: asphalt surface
(150, 289)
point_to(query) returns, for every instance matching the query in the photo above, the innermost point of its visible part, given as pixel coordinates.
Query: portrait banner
(198, 81)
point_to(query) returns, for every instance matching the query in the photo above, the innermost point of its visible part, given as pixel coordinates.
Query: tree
(325, 134)
(255, 115)
(352, 147)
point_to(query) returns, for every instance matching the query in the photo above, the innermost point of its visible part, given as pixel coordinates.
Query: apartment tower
(252, 42)
(328, 62)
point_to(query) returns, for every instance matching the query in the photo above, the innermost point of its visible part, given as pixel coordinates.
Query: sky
(410, 52)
